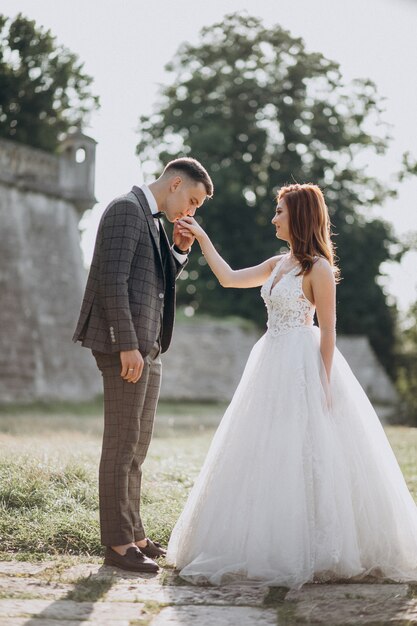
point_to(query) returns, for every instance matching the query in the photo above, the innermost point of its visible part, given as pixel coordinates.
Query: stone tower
(77, 169)
(42, 197)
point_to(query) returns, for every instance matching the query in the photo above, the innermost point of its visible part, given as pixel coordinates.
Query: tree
(43, 89)
(260, 111)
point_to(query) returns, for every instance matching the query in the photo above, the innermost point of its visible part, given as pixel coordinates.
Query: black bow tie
(158, 215)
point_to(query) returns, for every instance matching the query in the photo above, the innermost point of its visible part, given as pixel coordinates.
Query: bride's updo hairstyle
(309, 225)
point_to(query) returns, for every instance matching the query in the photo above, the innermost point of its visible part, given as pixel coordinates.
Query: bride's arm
(227, 277)
(324, 292)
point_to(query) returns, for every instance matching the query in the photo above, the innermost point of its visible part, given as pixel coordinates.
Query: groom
(126, 319)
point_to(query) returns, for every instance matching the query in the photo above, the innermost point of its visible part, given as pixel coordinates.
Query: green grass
(403, 440)
(48, 476)
(39, 418)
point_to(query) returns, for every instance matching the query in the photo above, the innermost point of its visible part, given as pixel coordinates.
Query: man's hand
(183, 238)
(132, 365)
(189, 224)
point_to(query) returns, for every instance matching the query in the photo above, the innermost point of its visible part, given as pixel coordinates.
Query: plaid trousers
(129, 412)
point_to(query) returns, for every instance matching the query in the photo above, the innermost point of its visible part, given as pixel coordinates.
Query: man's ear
(175, 183)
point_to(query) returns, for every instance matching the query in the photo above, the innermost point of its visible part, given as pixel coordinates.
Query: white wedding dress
(292, 491)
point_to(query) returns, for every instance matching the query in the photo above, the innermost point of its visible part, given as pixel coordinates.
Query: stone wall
(23, 166)
(41, 281)
(207, 358)
(362, 359)
(61, 175)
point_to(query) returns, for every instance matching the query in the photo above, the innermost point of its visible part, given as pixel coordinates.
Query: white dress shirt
(181, 258)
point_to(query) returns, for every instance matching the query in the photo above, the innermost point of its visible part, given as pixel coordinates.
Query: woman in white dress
(300, 483)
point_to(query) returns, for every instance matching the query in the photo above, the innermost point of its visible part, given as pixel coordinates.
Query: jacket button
(161, 295)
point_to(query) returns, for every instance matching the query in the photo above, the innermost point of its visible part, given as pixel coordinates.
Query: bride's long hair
(309, 225)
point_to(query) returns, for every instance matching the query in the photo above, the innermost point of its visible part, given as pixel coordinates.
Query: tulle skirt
(300, 482)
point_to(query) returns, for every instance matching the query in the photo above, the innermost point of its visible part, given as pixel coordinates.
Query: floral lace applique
(286, 303)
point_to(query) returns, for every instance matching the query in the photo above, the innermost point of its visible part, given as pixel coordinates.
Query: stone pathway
(64, 592)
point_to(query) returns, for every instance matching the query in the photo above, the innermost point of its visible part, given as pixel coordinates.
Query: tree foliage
(43, 89)
(260, 111)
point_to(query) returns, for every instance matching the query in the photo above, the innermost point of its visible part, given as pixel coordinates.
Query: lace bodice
(286, 303)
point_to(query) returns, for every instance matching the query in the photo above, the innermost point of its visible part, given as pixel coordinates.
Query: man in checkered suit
(126, 319)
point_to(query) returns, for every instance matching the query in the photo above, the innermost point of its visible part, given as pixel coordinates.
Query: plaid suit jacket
(127, 285)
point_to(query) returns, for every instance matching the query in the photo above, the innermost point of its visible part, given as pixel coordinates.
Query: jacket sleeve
(121, 231)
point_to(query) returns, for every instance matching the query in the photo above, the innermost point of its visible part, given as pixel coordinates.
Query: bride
(300, 483)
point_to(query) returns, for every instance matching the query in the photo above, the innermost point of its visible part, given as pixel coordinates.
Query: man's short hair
(194, 170)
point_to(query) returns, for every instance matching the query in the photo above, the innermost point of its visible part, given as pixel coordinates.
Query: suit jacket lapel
(149, 218)
(168, 249)
(155, 231)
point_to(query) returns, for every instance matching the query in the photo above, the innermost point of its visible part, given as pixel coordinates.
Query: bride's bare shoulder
(274, 260)
(321, 268)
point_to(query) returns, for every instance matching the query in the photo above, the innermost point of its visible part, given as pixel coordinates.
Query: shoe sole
(143, 570)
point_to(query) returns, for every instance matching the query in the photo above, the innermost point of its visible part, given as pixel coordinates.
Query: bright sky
(126, 43)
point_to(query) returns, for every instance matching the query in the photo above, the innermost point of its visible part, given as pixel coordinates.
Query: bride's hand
(183, 240)
(189, 225)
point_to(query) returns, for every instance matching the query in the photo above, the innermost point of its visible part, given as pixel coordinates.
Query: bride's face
(281, 221)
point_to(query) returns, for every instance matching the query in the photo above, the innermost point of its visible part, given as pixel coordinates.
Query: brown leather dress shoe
(133, 560)
(153, 549)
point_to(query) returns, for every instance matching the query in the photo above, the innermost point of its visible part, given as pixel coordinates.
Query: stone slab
(342, 591)
(102, 572)
(23, 621)
(354, 604)
(23, 568)
(83, 570)
(18, 587)
(128, 590)
(69, 610)
(215, 616)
